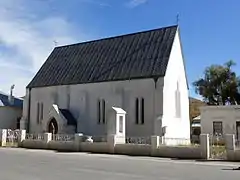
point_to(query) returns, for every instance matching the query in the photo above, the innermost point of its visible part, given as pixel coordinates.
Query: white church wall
(83, 104)
(178, 125)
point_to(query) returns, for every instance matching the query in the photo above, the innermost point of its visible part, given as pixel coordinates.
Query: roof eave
(184, 62)
(126, 79)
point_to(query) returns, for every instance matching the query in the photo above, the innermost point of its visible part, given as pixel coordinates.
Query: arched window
(139, 111)
(38, 113)
(142, 111)
(101, 111)
(178, 101)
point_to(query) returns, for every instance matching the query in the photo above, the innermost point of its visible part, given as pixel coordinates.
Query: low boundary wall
(116, 145)
(183, 152)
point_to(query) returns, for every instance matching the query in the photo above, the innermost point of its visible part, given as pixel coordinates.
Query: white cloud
(135, 3)
(25, 42)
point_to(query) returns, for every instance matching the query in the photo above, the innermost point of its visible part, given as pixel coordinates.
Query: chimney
(10, 97)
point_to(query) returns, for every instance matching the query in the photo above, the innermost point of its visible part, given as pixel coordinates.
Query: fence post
(3, 137)
(47, 138)
(204, 145)
(230, 146)
(22, 137)
(154, 144)
(112, 140)
(77, 141)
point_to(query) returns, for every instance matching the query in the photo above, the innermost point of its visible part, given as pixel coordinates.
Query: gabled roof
(69, 117)
(5, 102)
(132, 56)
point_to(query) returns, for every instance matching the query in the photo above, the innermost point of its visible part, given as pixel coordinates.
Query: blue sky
(209, 30)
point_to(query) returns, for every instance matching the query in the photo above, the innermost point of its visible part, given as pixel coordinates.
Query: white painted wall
(227, 114)
(8, 117)
(176, 126)
(83, 104)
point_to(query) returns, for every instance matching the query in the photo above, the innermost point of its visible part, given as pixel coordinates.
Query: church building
(143, 73)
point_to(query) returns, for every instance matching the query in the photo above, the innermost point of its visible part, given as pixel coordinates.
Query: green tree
(219, 85)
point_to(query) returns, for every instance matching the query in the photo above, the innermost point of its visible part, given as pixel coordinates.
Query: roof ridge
(117, 36)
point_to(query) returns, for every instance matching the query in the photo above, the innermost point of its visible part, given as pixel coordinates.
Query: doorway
(238, 130)
(53, 126)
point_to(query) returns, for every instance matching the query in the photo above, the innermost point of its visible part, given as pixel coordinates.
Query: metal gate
(217, 147)
(12, 138)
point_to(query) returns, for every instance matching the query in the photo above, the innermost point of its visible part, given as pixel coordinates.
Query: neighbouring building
(195, 118)
(220, 120)
(194, 105)
(143, 73)
(10, 111)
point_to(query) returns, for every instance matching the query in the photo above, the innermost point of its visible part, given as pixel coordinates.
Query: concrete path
(48, 165)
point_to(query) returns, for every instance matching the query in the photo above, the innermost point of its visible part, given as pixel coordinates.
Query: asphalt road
(48, 165)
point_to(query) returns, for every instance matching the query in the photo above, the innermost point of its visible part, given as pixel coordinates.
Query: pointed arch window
(139, 111)
(178, 101)
(101, 111)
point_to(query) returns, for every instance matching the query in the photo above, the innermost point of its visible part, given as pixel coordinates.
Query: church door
(53, 126)
(238, 130)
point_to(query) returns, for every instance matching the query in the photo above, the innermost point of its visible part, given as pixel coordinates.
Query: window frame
(142, 111)
(214, 127)
(139, 111)
(101, 111)
(38, 113)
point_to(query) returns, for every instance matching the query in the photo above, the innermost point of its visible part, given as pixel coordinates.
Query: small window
(38, 113)
(142, 111)
(217, 128)
(41, 112)
(101, 111)
(178, 102)
(137, 110)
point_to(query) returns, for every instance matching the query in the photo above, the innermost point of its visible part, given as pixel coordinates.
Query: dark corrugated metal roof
(139, 55)
(69, 117)
(4, 101)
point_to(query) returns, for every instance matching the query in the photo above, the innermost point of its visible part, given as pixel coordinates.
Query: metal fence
(12, 137)
(138, 140)
(63, 137)
(217, 147)
(216, 140)
(175, 141)
(35, 136)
